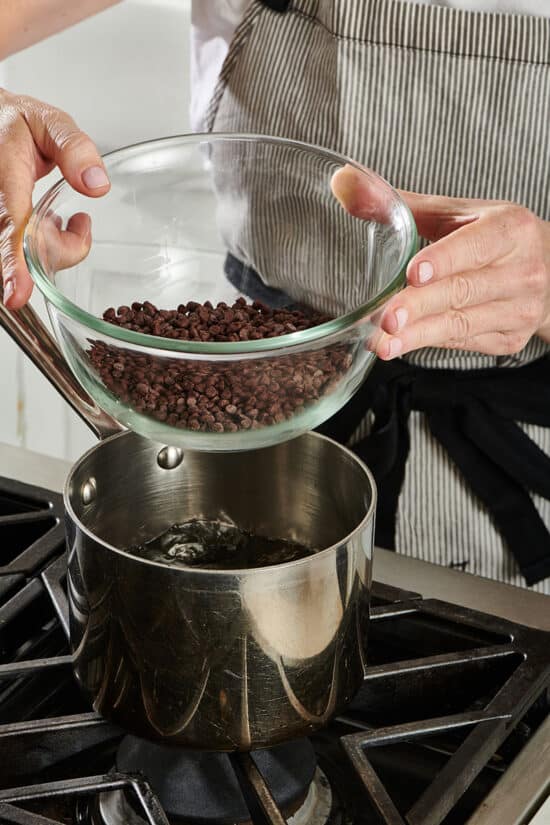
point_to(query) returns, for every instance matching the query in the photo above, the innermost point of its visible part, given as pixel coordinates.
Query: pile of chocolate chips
(204, 322)
(212, 396)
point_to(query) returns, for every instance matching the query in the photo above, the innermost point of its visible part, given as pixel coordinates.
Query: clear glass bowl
(217, 217)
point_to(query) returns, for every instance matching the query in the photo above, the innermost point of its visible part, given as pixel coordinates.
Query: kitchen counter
(430, 580)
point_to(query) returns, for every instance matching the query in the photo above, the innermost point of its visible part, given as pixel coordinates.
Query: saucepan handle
(32, 336)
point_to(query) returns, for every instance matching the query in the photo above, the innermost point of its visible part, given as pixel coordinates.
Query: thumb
(436, 216)
(362, 196)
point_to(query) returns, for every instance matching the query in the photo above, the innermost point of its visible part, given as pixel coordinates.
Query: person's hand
(35, 137)
(483, 284)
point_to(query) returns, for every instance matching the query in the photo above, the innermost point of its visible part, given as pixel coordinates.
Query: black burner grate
(31, 532)
(77, 790)
(449, 699)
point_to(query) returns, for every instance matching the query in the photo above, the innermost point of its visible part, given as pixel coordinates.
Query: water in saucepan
(218, 545)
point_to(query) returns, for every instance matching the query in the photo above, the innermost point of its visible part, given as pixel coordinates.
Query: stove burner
(115, 809)
(206, 787)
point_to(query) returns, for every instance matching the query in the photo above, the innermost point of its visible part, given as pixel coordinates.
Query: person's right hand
(34, 138)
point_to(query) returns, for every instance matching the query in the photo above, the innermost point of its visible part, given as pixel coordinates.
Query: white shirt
(214, 23)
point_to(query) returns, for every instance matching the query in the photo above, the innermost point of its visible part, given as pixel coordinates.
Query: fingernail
(401, 316)
(394, 347)
(9, 289)
(95, 177)
(425, 271)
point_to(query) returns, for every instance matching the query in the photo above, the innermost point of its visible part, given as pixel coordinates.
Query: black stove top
(450, 698)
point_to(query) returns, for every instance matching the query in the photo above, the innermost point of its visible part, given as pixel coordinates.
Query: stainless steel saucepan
(214, 660)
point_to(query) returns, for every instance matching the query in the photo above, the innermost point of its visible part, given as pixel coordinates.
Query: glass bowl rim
(342, 322)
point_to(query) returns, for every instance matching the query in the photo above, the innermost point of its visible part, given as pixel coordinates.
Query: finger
(451, 329)
(61, 249)
(58, 138)
(375, 338)
(76, 240)
(453, 293)
(362, 195)
(493, 236)
(490, 343)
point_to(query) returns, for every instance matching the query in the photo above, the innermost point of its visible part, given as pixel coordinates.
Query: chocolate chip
(212, 396)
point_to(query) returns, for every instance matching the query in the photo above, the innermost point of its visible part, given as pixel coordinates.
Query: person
(449, 100)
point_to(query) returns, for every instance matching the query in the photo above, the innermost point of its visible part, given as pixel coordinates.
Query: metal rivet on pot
(170, 457)
(88, 491)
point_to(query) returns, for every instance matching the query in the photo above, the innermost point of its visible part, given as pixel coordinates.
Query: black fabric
(472, 413)
(247, 281)
(276, 5)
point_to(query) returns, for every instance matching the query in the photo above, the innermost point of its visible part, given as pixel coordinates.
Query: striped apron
(436, 100)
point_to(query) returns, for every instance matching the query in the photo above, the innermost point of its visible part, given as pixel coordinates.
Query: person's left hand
(483, 284)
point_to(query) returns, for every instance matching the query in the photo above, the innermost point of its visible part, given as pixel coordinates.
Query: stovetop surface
(450, 698)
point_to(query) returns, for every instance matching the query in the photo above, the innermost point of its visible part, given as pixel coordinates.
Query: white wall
(123, 75)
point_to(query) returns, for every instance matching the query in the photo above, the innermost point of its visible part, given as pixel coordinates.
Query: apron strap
(276, 5)
(472, 414)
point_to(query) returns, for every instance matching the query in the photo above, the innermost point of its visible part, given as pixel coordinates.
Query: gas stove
(451, 725)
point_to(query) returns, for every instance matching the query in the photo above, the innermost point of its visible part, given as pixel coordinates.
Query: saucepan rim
(202, 572)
